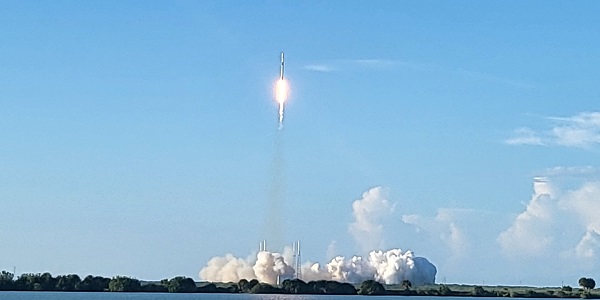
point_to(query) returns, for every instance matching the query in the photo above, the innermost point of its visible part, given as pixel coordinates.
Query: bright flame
(281, 93)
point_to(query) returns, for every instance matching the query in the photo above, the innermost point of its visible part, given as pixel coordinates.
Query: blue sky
(138, 138)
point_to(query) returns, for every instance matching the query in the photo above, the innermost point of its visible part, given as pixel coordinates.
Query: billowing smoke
(265, 267)
(269, 266)
(227, 268)
(390, 267)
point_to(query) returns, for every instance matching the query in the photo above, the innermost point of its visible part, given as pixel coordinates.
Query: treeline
(180, 284)
(72, 282)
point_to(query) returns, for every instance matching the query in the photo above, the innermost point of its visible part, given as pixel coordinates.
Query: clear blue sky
(137, 137)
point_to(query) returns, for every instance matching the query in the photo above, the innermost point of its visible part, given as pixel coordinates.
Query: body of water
(181, 296)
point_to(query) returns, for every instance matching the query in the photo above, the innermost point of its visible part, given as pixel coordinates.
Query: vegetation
(124, 284)
(180, 284)
(371, 287)
(587, 283)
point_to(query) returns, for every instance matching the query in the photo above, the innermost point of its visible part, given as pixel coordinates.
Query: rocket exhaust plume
(281, 91)
(277, 193)
(390, 267)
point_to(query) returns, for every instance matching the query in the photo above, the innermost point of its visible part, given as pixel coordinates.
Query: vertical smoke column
(277, 192)
(276, 195)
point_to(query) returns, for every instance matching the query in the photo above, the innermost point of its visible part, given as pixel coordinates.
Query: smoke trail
(274, 218)
(280, 116)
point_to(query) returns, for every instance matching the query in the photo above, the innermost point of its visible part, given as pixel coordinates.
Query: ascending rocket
(281, 91)
(281, 69)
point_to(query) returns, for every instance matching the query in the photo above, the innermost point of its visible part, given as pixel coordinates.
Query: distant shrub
(478, 291)
(444, 290)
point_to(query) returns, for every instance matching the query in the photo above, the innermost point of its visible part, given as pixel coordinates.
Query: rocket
(281, 90)
(281, 68)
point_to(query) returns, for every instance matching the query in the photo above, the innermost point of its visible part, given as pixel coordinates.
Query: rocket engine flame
(281, 93)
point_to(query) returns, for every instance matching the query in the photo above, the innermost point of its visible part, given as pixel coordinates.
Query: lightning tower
(297, 260)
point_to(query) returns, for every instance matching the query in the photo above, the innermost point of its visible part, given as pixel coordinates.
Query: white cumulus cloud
(368, 212)
(529, 233)
(552, 220)
(443, 226)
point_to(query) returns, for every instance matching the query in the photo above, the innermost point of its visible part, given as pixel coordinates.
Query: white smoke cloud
(269, 266)
(390, 267)
(368, 213)
(228, 269)
(265, 267)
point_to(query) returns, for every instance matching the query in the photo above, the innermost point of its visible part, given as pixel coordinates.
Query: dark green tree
(181, 285)
(6, 281)
(295, 286)
(94, 284)
(587, 283)
(69, 282)
(153, 288)
(317, 287)
(252, 283)
(371, 287)
(264, 288)
(27, 282)
(478, 291)
(47, 282)
(340, 288)
(243, 285)
(124, 284)
(208, 288)
(406, 284)
(444, 290)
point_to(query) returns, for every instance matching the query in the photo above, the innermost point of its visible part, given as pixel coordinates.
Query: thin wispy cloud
(524, 136)
(393, 64)
(493, 78)
(571, 171)
(579, 131)
(376, 62)
(319, 68)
